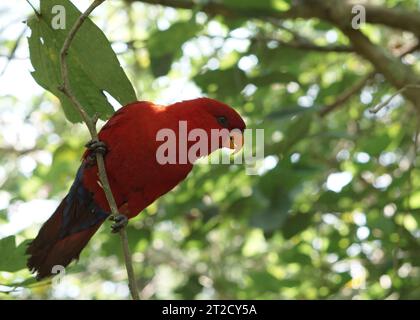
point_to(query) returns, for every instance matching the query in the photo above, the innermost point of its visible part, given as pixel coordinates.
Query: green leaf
(279, 59)
(297, 130)
(286, 112)
(93, 65)
(272, 219)
(223, 82)
(165, 46)
(13, 257)
(27, 283)
(191, 287)
(261, 280)
(296, 224)
(273, 77)
(375, 145)
(254, 6)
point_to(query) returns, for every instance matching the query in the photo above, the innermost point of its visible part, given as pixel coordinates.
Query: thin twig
(33, 8)
(303, 43)
(295, 44)
(90, 123)
(12, 52)
(346, 95)
(13, 151)
(408, 50)
(383, 104)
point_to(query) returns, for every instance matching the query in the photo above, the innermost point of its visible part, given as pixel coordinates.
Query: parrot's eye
(222, 120)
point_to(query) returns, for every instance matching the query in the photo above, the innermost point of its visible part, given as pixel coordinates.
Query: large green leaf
(13, 257)
(295, 224)
(279, 59)
(165, 46)
(93, 66)
(223, 82)
(269, 78)
(296, 131)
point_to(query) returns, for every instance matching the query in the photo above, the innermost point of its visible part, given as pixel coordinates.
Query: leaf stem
(33, 8)
(91, 125)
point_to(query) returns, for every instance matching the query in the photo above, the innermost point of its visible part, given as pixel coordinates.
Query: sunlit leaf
(93, 66)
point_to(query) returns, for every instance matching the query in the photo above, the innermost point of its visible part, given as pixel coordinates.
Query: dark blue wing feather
(80, 211)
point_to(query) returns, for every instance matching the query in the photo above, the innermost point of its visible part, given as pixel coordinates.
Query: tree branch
(339, 14)
(12, 52)
(302, 43)
(91, 125)
(307, 45)
(5, 150)
(391, 17)
(383, 104)
(391, 67)
(394, 18)
(396, 72)
(358, 86)
(298, 43)
(218, 8)
(346, 95)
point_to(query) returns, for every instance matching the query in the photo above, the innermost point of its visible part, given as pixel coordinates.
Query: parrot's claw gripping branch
(95, 147)
(120, 221)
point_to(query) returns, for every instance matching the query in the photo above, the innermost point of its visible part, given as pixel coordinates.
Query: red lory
(137, 177)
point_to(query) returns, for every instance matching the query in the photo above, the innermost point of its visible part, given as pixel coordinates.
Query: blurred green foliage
(332, 213)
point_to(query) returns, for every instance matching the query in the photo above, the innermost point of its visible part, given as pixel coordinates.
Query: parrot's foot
(120, 221)
(95, 147)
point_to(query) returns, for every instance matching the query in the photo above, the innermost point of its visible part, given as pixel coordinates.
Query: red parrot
(136, 177)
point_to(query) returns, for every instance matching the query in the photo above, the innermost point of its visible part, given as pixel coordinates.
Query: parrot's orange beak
(235, 141)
